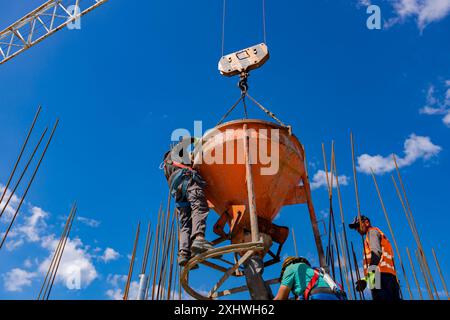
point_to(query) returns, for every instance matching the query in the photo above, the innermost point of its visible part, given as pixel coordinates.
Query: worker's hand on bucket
(361, 285)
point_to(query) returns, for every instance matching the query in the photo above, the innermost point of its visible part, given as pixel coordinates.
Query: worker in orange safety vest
(378, 262)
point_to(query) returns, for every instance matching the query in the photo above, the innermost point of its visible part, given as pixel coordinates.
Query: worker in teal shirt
(305, 282)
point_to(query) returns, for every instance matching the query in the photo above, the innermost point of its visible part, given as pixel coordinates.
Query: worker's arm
(375, 247)
(283, 293)
(287, 283)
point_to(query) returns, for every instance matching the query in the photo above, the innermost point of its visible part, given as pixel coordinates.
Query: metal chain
(243, 86)
(229, 111)
(269, 113)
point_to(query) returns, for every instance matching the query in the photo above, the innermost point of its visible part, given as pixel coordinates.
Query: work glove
(370, 279)
(361, 285)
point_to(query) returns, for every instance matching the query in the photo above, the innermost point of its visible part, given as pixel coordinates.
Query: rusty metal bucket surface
(226, 184)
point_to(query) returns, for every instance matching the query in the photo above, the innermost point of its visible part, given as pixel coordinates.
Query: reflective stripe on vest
(386, 264)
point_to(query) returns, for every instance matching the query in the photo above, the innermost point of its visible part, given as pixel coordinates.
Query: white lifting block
(244, 60)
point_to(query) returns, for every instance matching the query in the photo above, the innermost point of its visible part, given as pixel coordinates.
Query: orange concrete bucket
(277, 159)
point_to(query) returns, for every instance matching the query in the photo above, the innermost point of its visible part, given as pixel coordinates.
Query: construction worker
(378, 262)
(187, 188)
(306, 283)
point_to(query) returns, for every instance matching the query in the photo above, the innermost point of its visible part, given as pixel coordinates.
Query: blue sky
(138, 70)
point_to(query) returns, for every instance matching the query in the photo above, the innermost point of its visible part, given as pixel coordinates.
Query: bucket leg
(253, 271)
(250, 187)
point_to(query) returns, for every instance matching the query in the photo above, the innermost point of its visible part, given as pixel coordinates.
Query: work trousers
(390, 290)
(192, 218)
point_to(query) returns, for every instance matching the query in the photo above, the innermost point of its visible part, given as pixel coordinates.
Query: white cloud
(12, 204)
(114, 294)
(16, 279)
(89, 222)
(415, 148)
(364, 3)
(134, 289)
(432, 111)
(34, 224)
(109, 255)
(438, 105)
(116, 279)
(320, 180)
(76, 262)
(324, 214)
(446, 119)
(97, 249)
(12, 243)
(312, 164)
(27, 263)
(405, 8)
(117, 293)
(30, 230)
(423, 11)
(118, 282)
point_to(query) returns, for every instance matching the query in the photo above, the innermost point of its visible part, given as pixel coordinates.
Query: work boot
(200, 246)
(183, 259)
